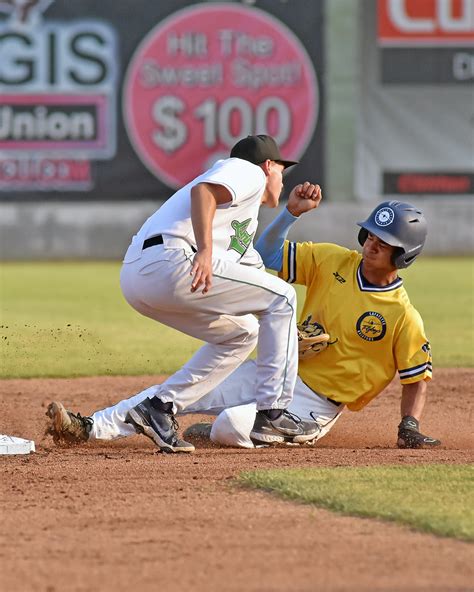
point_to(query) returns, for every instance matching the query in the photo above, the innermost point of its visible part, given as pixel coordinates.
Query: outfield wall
(103, 230)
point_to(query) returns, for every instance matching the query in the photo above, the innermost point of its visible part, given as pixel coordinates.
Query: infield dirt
(117, 516)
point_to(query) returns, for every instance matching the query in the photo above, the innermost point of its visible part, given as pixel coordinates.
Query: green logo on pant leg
(241, 240)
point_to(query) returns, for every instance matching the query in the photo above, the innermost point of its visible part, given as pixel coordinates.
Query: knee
(286, 299)
(245, 334)
(232, 427)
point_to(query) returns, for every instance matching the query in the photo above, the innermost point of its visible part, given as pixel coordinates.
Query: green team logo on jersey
(241, 240)
(371, 326)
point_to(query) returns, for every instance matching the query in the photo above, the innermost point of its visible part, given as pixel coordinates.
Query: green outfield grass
(70, 319)
(432, 498)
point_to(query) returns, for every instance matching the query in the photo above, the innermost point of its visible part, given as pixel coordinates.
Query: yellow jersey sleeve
(302, 261)
(412, 350)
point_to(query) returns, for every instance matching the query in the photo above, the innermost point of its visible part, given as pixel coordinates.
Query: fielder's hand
(409, 435)
(303, 198)
(202, 271)
(311, 340)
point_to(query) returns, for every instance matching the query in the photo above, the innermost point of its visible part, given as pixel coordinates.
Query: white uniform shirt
(234, 224)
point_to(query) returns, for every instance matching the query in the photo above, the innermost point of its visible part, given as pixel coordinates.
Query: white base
(12, 445)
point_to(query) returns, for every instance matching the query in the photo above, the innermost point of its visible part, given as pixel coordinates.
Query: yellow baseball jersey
(375, 331)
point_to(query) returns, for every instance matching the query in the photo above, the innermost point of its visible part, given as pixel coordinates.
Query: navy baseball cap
(258, 149)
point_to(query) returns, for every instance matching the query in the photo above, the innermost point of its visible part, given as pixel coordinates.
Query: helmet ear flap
(398, 258)
(401, 260)
(362, 237)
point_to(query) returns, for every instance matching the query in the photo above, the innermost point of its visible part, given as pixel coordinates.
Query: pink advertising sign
(209, 75)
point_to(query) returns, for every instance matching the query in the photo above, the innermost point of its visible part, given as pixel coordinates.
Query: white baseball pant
(233, 401)
(245, 305)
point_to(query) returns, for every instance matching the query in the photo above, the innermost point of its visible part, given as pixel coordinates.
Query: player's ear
(266, 166)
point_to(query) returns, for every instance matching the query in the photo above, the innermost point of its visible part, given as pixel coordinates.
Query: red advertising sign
(418, 22)
(428, 183)
(209, 75)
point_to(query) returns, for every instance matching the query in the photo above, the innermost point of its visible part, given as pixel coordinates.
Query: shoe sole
(305, 438)
(135, 419)
(402, 445)
(268, 438)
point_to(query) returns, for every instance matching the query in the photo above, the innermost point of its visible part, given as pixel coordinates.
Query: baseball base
(13, 445)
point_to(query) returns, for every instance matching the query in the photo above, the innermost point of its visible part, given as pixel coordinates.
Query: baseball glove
(311, 340)
(409, 435)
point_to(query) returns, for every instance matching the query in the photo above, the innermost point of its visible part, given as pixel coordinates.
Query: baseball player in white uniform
(192, 266)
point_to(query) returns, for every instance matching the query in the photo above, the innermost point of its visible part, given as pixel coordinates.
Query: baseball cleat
(285, 428)
(416, 440)
(159, 425)
(409, 435)
(66, 426)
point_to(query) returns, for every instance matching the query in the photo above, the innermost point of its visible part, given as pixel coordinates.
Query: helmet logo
(384, 216)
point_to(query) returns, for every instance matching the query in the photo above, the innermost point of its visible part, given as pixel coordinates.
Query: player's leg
(161, 290)
(233, 402)
(230, 340)
(233, 425)
(273, 302)
(237, 389)
(109, 423)
(105, 424)
(310, 406)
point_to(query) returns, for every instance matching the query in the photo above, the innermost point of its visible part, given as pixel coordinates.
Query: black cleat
(285, 428)
(409, 435)
(159, 424)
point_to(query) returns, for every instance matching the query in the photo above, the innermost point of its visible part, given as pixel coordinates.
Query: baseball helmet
(400, 225)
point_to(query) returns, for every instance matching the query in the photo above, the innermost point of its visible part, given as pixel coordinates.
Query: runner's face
(377, 254)
(274, 187)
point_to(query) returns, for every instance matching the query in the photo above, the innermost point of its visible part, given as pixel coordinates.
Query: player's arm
(271, 241)
(205, 197)
(413, 399)
(303, 198)
(411, 409)
(414, 363)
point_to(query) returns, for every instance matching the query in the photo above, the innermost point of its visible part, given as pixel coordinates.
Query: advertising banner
(415, 133)
(426, 41)
(97, 105)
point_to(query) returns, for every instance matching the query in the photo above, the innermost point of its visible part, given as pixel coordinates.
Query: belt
(154, 240)
(158, 240)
